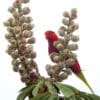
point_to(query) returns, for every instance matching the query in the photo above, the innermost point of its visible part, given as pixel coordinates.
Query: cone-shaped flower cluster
(20, 37)
(65, 58)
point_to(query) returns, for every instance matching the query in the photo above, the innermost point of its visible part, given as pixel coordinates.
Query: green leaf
(35, 90)
(78, 97)
(21, 90)
(67, 91)
(43, 96)
(73, 89)
(25, 92)
(89, 96)
(94, 97)
(52, 90)
(85, 96)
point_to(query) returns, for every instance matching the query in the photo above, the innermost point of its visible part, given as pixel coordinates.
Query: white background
(47, 14)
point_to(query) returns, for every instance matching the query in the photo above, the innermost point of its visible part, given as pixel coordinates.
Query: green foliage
(36, 89)
(43, 96)
(25, 92)
(69, 92)
(52, 90)
(66, 90)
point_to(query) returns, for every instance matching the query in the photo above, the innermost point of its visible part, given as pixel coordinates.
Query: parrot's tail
(82, 77)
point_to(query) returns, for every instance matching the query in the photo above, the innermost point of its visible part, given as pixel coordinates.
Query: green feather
(82, 77)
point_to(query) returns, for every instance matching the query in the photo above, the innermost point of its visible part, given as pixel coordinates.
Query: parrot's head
(51, 36)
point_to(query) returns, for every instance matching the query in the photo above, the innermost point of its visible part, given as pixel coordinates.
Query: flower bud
(27, 33)
(13, 23)
(31, 40)
(63, 28)
(33, 55)
(25, 1)
(17, 29)
(11, 9)
(67, 37)
(12, 47)
(55, 57)
(73, 27)
(23, 47)
(65, 21)
(8, 51)
(24, 26)
(15, 62)
(22, 41)
(66, 14)
(7, 23)
(22, 19)
(14, 54)
(28, 19)
(26, 10)
(11, 19)
(29, 49)
(68, 71)
(8, 36)
(30, 55)
(60, 47)
(25, 78)
(76, 26)
(30, 26)
(73, 13)
(27, 26)
(23, 58)
(61, 32)
(72, 46)
(22, 70)
(51, 71)
(61, 65)
(66, 53)
(16, 14)
(10, 29)
(74, 38)
(33, 75)
(13, 41)
(20, 35)
(56, 70)
(33, 63)
(63, 75)
(72, 55)
(69, 62)
(16, 4)
(15, 68)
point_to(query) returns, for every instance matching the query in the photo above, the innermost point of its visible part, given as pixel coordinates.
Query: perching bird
(51, 38)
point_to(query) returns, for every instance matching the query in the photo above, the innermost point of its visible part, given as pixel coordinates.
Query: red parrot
(51, 38)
